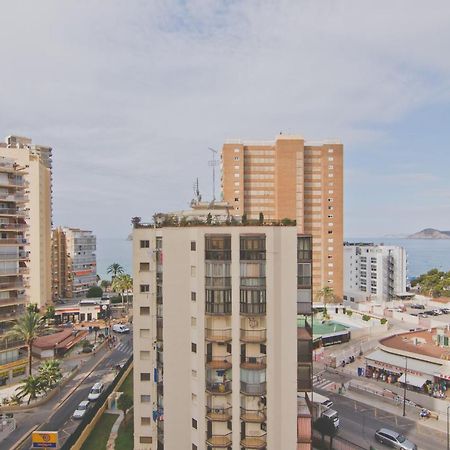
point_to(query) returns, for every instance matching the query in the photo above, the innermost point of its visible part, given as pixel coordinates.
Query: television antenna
(213, 163)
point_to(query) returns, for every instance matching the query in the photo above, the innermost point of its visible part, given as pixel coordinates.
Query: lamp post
(404, 389)
(448, 438)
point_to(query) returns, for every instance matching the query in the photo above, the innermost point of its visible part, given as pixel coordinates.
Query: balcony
(218, 362)
(304, 385)
(218, 309)
(253, 309)
(218, 282)
(11, 285)
(221, 335)
(14, 256)
(12, 212)
(253, 362)
(218, 413)
(253, 336)
(218, 388)
(253, 415)
(253, 388)
(250, 442)
(218, 255)
(219, 440)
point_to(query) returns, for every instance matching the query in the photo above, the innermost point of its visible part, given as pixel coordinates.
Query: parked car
(95, 392)
(445, 310)
(394, 439)
(119, 328)
(437, 312)
(417, 306)
(81, 409)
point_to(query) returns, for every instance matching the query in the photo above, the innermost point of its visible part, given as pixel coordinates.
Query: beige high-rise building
(216, 338)
(290, 178)
(74, 262)
(36, 161)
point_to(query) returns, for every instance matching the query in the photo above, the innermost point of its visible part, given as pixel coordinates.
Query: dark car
(394, 439)
(417, 306)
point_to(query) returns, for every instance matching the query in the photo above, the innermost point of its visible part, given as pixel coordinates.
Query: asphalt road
(51, 417)
(358, 423)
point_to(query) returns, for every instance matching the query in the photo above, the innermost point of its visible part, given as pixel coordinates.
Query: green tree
(123, 284)
(94, 292)
(50, 373)
(124, 403)
(326, 295)
(325, 427)
(261, 218)
(115, 269)
(31, 386)
(50, 313)
(27, 329)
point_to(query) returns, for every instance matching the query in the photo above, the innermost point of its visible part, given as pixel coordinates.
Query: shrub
(383, 321)
(365, 317)
(94, 292)
(349, 313)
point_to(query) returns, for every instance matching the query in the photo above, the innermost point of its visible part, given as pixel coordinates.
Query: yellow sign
(44, 439)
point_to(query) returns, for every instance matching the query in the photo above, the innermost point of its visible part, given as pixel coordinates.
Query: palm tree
(115, 269)
(50, 373)
(127, 284)
(27, 329)
(117, 286)
(122, 284)
(104, 284)
(326, 294)
(31, 386)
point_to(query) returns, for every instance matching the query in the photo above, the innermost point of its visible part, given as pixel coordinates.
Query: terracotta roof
(419, 342)
(441, 299)
(62, 339)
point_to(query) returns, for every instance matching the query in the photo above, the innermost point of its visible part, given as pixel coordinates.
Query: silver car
(81, 410)
(394, 439)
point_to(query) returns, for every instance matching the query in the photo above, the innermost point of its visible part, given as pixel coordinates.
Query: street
(57, 417)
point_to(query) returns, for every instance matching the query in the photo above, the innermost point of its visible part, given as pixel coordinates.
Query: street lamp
(404, 388)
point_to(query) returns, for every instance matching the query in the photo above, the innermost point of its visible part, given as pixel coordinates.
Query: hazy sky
(130, 94)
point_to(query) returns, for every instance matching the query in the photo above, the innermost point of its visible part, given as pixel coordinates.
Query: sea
(422, 254)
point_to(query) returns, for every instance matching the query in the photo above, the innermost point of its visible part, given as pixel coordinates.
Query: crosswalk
(125, 347)
(323, 383)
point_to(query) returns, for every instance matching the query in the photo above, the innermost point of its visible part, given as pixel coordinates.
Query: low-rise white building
(373, 272)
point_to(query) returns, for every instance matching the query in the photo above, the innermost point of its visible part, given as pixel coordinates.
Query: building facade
(290, 178)
(37, 205)
(74, 262)
(374, 272)
(215, 325)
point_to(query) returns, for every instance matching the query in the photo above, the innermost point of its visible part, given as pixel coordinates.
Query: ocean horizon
(423, 254)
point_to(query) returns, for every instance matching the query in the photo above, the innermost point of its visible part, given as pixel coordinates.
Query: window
(330, 231)
(193, 397)
(144, 355)
(145, 421)
(145, 398)
(193, 347)
(236, 167)
(145, 244)
(236, 183)
(145, 439)
(144, 310)
(193, 296)
(194, 447)
(330, 150)
(194, 373)
(144, 266)
(236, 150)
(236, 199)
(330, 158)
(144, 288)
(193, 321)
(236, 158)
(144, 332)
(145, 376)
(193, 246)
(194, 423)
(236, 175)
(193, 271)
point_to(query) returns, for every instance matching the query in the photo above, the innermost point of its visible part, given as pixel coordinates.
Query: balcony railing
(6, 343)
(253, 335)
(13, 226)
(304, 384)
(253, 282)
(12, 285)
(250, 442)
(218, 362)
(253, 255)
(219, 440)
(13, 256)
(12, 212)
(253, 388)
(218, 255)
(253, 362)
(218, 308)
(218, 282)
(218, 413)
(253, 309)
(215, 387)
(253, 415)
(218, 335)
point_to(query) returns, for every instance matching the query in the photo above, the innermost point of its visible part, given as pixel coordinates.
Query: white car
(119, 328)
(95, 392)
(81, 410)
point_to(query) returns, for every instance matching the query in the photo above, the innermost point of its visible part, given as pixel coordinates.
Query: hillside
(430, 233)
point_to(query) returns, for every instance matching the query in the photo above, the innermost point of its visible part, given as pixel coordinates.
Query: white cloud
(131, 94)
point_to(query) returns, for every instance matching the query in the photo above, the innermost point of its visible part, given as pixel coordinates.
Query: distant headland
(430, 233)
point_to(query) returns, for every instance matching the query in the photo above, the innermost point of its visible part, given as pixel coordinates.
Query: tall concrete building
(290, 178)
(37, 164)
(73, 261)
(220, 355)
(374, 272)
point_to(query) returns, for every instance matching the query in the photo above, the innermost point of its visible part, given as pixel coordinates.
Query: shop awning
(413, 380)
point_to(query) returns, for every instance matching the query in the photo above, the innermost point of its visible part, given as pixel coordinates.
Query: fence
(100, 404)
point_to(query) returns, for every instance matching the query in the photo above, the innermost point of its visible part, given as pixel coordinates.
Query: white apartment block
(215, 337)
(373, 272)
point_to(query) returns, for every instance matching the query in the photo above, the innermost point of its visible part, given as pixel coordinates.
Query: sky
(130, 95)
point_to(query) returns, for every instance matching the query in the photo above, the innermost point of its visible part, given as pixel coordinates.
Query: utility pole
(404, 389)
(213, 163)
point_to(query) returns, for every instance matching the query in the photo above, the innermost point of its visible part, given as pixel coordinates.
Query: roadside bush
(349, 313)
(116, 299)
(365, 317)
(383, 321)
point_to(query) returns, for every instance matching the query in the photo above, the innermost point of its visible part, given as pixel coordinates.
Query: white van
(119, 328)
(95, 392)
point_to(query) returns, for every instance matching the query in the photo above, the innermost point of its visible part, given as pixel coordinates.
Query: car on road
(437, 312)
(394, 439)
(417, 306)
(119, 328)
(95, 392)
(81, 409)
